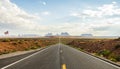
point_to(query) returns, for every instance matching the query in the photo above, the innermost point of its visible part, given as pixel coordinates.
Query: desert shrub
(118, 38)
(6, 52)
(6, 40)
(14, 43)
(117, 46)
(34, 47)
(81, 49)
(26, 49)
(115, 58)
(104, 53)
(112, 57)
(101, 42)
(13, 50)
(36, 43)
(1, 53)
(19, 41)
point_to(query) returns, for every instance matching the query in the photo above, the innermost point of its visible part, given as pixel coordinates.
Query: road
(60, 56)
(8, 60)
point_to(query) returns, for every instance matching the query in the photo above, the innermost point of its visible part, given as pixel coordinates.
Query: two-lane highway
(60, 56)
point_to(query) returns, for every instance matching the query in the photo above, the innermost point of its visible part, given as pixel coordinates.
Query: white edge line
(102, 60)
(106, 62)
(98, 59)
(23, 59)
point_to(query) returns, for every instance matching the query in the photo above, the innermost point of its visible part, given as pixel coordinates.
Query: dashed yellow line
(64, 66)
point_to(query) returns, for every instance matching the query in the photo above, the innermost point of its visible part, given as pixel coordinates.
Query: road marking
(107, 63)
(101, 60)
(64, 66)
(61, 51)
(24, 58)
(94, 57)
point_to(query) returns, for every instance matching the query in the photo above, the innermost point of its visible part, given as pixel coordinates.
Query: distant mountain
(49, 34)
(65, 34)
(86, 35)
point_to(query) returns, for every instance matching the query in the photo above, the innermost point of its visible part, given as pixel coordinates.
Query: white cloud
(104, 20)
(75, 14)
(114, 2)
(46, 13)
(102, 11)
(12, 17)
(44, 3)
(98, 29)
(16, 20)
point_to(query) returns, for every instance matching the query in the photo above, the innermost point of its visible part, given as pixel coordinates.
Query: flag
(6, 32)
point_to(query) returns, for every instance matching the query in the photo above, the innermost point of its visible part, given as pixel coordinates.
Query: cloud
(101, 27)
(46, 13)
(75, 14)
(14, 18)
(74, 29)
(104, 29)
(17, 20)
(102, 11)
(44, 3)
(102, 20)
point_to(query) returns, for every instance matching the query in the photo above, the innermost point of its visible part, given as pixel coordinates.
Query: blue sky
(98, 17)
(59, 8)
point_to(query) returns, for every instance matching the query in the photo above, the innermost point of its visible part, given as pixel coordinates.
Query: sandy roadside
(17, 53)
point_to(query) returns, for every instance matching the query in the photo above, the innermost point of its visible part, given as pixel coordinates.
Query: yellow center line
(64, 66)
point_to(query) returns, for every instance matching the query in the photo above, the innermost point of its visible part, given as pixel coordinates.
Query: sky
(97, 17)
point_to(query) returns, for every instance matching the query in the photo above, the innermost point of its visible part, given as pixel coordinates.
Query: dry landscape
(108, 48)
(8, 45)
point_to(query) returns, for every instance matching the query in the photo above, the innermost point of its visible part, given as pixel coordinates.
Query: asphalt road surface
(9, 60)
(60, 56)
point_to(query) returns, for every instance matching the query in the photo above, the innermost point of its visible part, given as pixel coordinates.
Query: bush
(117, 46)
(36, 43)
(115, 58)
(104, 53)
(6, 52)
(19, 41)
(6, 40)
(33, 47)
(14, 43)
(119, 38)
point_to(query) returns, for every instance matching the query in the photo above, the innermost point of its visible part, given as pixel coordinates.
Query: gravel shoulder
(17, 53)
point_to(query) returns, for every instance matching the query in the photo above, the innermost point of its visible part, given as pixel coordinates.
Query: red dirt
(12, 45)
